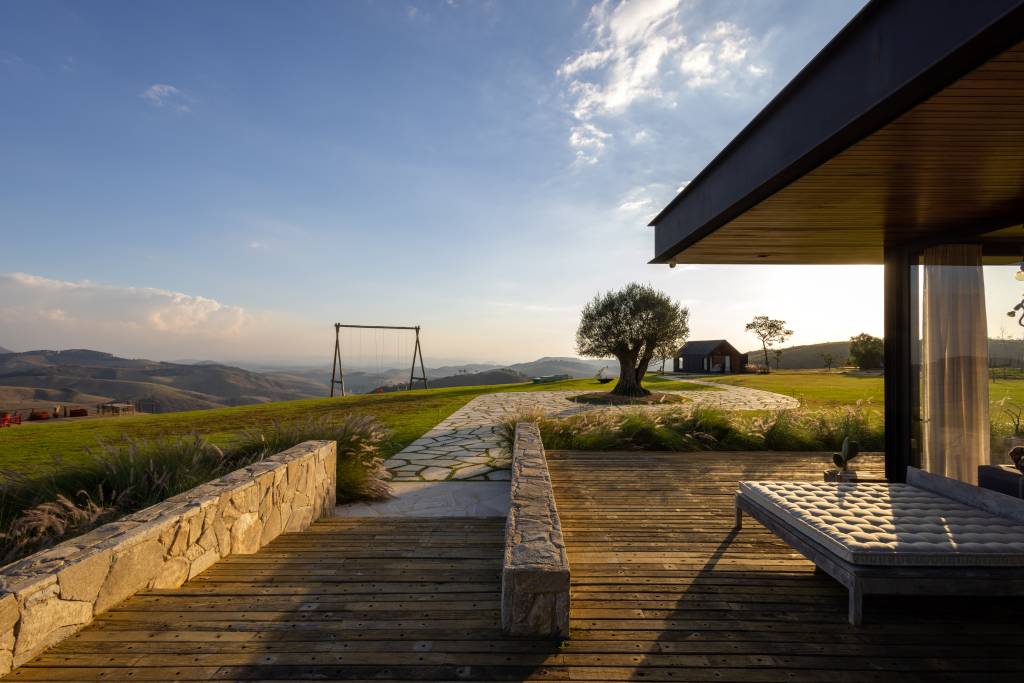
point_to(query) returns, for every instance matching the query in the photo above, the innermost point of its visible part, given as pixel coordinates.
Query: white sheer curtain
(954, 360)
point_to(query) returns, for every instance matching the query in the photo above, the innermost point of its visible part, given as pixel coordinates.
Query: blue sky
(225, 180)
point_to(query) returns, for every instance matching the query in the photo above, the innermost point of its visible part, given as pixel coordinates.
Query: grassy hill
(1002, 352)
(574, 367)
(84, 377)
(408, 414)
(806, 357)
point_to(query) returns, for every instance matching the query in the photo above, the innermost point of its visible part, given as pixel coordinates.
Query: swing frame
(338, 374)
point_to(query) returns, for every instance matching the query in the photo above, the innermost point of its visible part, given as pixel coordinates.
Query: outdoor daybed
(932, 535)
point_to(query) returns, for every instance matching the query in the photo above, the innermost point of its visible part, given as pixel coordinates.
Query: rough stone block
(245, 534)
(535, 571)
(172, 574)
(83, 579)
(46, 619)
(9, 612)
(130, 571)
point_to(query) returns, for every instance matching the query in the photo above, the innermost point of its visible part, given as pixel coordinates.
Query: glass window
(969, 358)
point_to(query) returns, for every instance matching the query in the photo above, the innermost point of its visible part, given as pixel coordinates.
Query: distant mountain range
(83, 378)
(80, 377)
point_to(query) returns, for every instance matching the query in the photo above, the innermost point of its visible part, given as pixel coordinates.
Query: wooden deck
(662, 591)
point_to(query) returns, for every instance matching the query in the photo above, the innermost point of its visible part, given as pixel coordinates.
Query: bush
(119, 478)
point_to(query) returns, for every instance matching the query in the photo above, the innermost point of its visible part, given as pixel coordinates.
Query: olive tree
(633, 324)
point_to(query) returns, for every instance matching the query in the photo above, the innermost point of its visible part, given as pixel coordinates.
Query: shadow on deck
(662, 590)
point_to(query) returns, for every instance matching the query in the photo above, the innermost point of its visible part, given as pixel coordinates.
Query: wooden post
(336, 369)
(417, 351)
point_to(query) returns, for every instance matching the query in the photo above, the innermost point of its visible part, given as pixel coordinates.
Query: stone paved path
(464, 446)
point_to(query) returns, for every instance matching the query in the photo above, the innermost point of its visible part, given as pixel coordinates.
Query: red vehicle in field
(7, 419)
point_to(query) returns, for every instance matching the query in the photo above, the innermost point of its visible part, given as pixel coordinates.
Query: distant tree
(666, 351)
(827, 360)
(866, 352)
(633, 324)
(778, 358)
(770, 332)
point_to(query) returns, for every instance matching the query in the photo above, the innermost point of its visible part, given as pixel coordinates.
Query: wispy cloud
(162, 95)
(38, 312)
(719, 55)
(10, 59)
(139, 308)
(588, 141)
(257, 246)
(646, 50)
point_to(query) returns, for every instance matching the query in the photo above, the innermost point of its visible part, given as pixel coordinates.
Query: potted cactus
(842, 471)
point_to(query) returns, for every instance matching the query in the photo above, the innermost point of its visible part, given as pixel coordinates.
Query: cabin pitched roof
(704, 347)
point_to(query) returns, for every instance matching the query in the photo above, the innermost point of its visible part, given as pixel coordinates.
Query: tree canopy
(632, 324)
(866, 352)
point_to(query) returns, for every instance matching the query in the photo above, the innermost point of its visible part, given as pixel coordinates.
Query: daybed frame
(861, 580)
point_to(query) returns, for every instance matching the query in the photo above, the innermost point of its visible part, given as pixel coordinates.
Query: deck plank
(663, 590)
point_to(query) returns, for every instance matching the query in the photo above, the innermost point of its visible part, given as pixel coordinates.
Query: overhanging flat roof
(908, 123)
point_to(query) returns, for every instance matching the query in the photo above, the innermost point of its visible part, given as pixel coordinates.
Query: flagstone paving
(465, 445)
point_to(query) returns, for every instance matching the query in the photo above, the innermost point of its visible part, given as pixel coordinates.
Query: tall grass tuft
(361, 471)
(37, 511)
(700, 428)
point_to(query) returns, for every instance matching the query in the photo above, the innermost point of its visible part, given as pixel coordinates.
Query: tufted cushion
(892, 524)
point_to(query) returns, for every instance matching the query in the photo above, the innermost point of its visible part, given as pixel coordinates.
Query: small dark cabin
(712, 355)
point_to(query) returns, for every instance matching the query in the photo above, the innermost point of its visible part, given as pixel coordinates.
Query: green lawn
(408, 414)
(815, 389)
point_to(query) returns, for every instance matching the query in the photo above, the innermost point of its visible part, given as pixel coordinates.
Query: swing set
(338, 374)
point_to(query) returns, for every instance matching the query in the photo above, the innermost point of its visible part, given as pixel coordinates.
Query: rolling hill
(1002, 353)
(35, 380)
(80, 377)
(807, 357)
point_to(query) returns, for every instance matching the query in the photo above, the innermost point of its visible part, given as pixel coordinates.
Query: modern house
(711, 355)
(901, 143)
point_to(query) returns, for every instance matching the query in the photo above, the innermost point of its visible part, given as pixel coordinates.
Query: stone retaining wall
(48, 596)
(535, 573)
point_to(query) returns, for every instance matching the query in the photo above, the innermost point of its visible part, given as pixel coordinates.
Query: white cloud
(167, 96)
(634, 204)
(588, 141)
(648, 50)
(144, 322)
(641, 199)
(717, 56)
(126, 308)
(257, 245)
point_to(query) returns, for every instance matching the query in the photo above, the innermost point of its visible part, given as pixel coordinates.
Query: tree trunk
(629, 383)
(767, 363)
